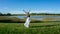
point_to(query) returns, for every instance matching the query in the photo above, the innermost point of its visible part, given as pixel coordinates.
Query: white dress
(26, 24)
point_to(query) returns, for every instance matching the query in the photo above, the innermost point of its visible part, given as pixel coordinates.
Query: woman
(26, 24)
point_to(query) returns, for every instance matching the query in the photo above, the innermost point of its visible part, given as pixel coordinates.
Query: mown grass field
(35, 28)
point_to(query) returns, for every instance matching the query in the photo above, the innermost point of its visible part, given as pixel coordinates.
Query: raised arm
(24, 11)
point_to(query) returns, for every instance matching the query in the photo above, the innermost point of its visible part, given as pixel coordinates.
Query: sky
(35, 6)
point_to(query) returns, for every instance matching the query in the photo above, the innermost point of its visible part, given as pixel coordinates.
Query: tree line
(43, 14)
(8, 14)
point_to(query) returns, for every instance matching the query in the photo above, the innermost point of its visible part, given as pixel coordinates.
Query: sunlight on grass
(35, 28)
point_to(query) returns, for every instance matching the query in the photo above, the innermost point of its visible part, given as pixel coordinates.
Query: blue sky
(35, 6)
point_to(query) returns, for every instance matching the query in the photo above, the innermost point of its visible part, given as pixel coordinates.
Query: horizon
(36, 6)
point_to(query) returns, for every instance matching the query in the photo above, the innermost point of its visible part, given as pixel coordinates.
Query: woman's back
(27, 14)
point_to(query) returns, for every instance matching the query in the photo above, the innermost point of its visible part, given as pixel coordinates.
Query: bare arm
(24, 11)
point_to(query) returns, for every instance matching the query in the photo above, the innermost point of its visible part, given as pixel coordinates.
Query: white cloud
(45, 11)
(16, 12)
(41, 11)
(19, 11)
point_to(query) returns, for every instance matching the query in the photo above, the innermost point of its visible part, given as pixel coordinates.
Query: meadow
(35, 28)
(13, 25)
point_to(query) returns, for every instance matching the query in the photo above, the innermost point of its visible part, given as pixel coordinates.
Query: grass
(35, 28)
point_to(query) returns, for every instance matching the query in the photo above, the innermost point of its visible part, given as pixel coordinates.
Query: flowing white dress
(26, 24)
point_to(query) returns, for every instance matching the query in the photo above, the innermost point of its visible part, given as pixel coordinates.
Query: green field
(35, 28)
